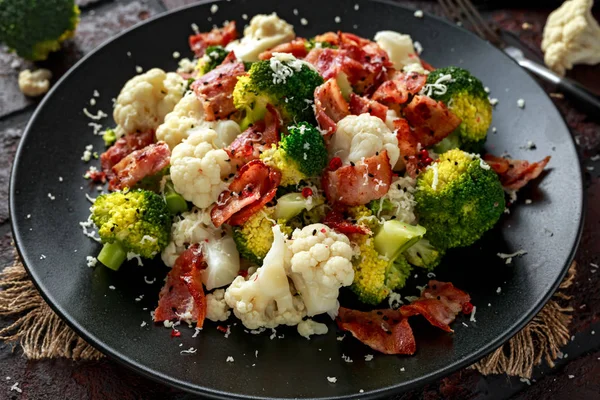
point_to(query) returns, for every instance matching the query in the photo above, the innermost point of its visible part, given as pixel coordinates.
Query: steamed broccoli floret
(300, 154)
(466, 97)
(131, 221)
(458, 199)
(313, 43)
(213, 57)
(422, 254)
(34, 28)
(284, 82)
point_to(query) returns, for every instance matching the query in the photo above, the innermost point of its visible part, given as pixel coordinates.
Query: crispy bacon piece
(514, 174)
(440, 303)
(329, 37)
(217, 37)
(140, 164)
(360, 105)
(254, 186)
(257, 138)
(408, 145)
(353, 185)
(122, 147)
(431, 120)
(335, 220)
(330, 105)
(386, 331)
(183, 294)
(427, 66)
(397, 91)
(296, 47)
(215, 88)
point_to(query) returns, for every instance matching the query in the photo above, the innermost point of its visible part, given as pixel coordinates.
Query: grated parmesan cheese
(521, 103)
(283, 66)
(87, 153)
(368, 357)
(229, 359)
(214, 8)
(331, 379)
(99, 115)
(472, 319)
(437, 88)
(418, 14)
(509, 257)
(91, 261)
(303, 21)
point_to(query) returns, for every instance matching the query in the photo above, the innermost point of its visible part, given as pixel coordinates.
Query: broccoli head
(422, 254)
(466, 97)
(34, 28)
(300, 154)
(131, 221)
(282, 81)
(213, 57)
(459, 197)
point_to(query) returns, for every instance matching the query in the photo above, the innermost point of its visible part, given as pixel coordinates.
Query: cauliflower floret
(571, 36)
(146, 99)
(390, 117)
(265, 299)
(187, 118)
(263, 33)
(310, 327)
(320, 265)
(218, 247)
(362, 136)
(399, 48)
(216, 307)
(34, 83)
(198, 168)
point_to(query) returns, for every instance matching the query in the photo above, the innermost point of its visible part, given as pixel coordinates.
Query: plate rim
(156, 376)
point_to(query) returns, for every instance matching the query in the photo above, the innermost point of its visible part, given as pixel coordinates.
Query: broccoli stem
(112, 255)
(290, 205)
(394, 237)
(175, 202)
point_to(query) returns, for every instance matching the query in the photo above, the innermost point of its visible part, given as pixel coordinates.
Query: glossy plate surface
(507, 296)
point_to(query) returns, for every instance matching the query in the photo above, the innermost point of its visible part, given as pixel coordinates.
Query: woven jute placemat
(43, 335)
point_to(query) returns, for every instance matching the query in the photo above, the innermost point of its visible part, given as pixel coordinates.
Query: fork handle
(570, 88)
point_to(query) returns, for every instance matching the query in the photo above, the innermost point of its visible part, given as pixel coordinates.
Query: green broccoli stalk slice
(175, 202)
(458, 199)
(394, 237)
(466, 97)
(213, 57)
(422, 254)
(34, 28)
(300, 154)
(287, 85)
(293, 204)
(136, 221)
(112, 255)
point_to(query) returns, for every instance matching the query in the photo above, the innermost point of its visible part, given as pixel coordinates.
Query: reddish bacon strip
(397, 91)
(335, 220)
(427, 66)
(215, 88)
(360, 105)
(358, 184)
(182, 293)
(431, 120)
(440, 303)
(140, 164)
(386, 331)
(122, 148)
(514, 174)
(217, 37)
(330, 105)
(253, 141)
(254, 186)
(296, 47)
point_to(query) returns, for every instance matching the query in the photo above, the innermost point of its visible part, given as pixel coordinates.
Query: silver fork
(464, 12)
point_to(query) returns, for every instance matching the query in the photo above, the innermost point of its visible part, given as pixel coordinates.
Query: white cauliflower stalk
(263, 33)
(216, 306)
(309, 327)
(320, 265)
(34, 83)
(146, 99)
(265, 299)
(188, 117)
(571, 36)
(400, 50)
(218, 247)
(363, 136)
(198, 168)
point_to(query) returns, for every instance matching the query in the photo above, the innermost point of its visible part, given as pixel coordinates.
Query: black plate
(290, 367)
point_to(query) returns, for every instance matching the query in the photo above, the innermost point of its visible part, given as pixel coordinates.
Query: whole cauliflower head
(399, 47)
(216, 306)
(265, 299)
(571, 36)
(188, 117)
(217, 244)
(263, 33)
(199, 168)
(146, 99)
(319, 266)
(362, 136)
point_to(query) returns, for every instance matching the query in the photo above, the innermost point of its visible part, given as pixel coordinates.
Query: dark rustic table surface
(577, 374)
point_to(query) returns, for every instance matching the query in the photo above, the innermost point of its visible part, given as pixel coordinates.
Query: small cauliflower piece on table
(34, 83)
(319, 266)
(146, 99)
(198, 168)
(571, 36)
